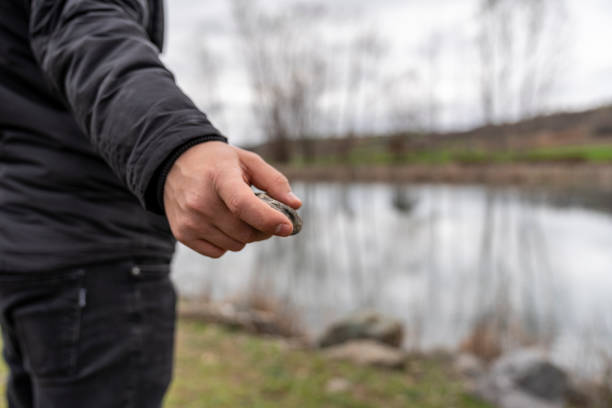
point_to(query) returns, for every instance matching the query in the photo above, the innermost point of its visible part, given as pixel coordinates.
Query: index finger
(242, 202)
(270, 180)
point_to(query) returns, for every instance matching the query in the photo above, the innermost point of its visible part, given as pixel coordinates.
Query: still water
(440, 258)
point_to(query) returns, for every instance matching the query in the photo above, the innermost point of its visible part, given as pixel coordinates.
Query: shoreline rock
(369, 353)
(524, 378)
(232, 315)
(366, 325)
(559, 175)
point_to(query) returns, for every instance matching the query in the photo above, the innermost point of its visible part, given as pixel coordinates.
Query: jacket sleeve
(97, 55)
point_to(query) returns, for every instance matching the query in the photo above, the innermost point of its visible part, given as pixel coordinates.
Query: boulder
(364, 326)
(368, 352)
(525, 378)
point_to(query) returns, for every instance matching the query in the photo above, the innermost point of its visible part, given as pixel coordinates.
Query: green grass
(220, 368)
(377, 155)
(216, 367)
(588, 153)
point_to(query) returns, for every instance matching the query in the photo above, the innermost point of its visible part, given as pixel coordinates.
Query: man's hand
(210, 205)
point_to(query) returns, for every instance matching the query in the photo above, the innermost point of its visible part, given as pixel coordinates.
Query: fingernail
(284, 229)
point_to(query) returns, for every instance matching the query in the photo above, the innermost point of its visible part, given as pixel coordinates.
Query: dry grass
(253, 313)
(494, 335)
(483, 342)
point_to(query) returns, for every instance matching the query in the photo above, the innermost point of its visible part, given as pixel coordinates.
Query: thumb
(268, 179)
(244, 204)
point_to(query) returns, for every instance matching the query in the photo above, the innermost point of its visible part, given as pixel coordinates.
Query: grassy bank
(216, 367)
(379, 155)
(221, 368)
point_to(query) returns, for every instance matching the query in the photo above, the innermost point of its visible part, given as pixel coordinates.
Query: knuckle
(255, 157)
(238, 247)
(252, 235)
(235, 205)
(213, 177)
(180, 236)
(268, 227)
(260, 236)
(219, 176)
(182, 233)
(248, 235)
(189, 224)
(192, 202)
(271, 226)
(280, 179)
(174, 229)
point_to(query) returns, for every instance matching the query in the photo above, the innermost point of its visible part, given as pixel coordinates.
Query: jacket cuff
(154, 196)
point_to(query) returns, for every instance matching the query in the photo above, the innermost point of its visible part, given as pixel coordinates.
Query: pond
(536, 263)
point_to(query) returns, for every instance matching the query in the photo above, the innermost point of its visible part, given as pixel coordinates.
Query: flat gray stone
(369, 353)
(292, 214)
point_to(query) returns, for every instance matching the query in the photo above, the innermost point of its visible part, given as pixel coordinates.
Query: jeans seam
(136, 340)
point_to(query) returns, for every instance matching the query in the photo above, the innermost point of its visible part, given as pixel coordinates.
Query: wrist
(157, 187)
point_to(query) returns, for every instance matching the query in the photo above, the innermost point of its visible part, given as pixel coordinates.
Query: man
(97, 144)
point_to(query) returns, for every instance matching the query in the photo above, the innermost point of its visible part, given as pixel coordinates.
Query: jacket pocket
(48, 326)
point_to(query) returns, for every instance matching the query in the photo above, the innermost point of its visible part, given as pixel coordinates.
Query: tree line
(311, 77)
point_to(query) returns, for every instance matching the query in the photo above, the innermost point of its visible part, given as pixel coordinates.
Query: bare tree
(285, 65)
(362, 52)
(210, 64)
(519, 47)
(431, 51)
(404, 101)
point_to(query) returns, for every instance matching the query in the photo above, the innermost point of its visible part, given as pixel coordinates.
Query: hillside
(575, 136)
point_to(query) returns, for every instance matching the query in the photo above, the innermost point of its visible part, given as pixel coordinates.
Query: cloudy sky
(585, 77)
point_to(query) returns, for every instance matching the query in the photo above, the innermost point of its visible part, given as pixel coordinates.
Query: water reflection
(533, 266)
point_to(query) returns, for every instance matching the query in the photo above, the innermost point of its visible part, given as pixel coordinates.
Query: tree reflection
(464, 264)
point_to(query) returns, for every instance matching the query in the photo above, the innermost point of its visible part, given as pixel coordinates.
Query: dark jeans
(99, 336)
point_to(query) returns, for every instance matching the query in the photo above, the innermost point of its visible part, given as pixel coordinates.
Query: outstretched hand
(210, 205)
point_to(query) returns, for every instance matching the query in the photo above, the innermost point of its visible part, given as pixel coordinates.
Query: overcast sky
(585, 80)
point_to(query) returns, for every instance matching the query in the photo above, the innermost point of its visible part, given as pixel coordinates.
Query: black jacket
(89, 117)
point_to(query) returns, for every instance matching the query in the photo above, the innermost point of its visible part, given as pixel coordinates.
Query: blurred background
(455, 163)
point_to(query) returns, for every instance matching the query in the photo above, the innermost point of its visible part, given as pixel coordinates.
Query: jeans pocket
(48, 327)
